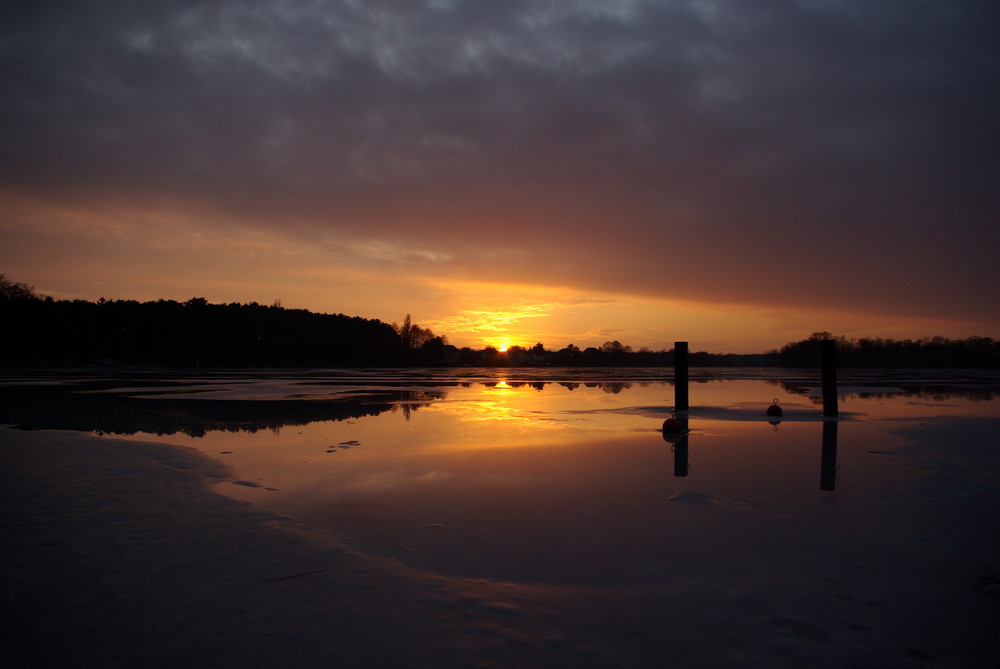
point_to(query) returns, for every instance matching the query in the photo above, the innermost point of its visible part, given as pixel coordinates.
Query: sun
(502, 344)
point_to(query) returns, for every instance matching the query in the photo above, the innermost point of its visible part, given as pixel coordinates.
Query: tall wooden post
(681, 375)
(828, 355)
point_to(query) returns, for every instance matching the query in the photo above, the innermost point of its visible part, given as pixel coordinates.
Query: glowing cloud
(557, 172)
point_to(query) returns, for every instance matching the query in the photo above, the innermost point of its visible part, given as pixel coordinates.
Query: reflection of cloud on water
(703, 499)
(390, 479)
(932, 404)
(974, 436)
(480, 411)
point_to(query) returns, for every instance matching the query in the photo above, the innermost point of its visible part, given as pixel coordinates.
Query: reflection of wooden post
(681, 457)
(828, 354)
(828, 466)
(681, 375)
(679, 445)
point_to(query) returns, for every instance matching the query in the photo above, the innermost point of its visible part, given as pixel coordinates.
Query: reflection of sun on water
(492, 406)
(483, 411)
(503, 409)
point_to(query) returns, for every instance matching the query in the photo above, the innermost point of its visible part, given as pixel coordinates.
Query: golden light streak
(100, 250)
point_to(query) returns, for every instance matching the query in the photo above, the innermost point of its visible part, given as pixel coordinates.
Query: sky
(733, 174)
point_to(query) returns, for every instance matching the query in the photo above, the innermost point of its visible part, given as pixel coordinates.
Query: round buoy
(774, 409)
(672, 425)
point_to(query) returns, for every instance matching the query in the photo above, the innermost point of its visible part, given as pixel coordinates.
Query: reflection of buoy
(673, 438)
(672, 425)
(774, 409)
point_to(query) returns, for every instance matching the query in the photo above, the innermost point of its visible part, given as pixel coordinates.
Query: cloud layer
(792, 154)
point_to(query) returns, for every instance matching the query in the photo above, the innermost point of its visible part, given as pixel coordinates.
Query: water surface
(566, 477)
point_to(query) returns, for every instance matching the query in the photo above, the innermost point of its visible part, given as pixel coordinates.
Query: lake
(547, 504)
(565, 476)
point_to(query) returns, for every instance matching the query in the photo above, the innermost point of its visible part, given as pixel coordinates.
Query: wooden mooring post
(681, 375)
(828, 356)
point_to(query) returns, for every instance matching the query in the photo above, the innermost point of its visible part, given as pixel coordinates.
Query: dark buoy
(774, 409)
(672, 425)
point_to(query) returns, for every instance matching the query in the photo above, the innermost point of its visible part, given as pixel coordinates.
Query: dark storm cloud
(712, 149)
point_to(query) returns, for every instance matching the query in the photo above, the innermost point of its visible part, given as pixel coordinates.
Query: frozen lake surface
(882, 520)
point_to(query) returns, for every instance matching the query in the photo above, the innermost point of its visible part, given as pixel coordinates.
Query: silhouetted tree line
(40, 330)
(933, 352)
(608, 354)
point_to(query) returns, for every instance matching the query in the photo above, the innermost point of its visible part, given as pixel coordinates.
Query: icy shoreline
(118, 555)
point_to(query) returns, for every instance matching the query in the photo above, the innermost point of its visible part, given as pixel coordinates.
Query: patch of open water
(565, 476)
(870, 540)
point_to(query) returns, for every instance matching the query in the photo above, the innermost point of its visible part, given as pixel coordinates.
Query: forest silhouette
(39, 331)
